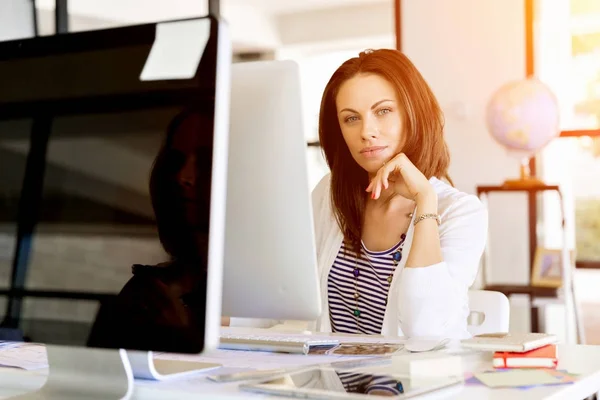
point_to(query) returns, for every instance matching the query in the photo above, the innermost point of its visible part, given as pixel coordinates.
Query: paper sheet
(516, 378)
(9, 345)
(177, 50)
(27, 356)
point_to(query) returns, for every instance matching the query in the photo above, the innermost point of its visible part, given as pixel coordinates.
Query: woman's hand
(400, 175)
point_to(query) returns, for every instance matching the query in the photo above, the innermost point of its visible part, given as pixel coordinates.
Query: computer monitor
(113, 148)
(270, 266)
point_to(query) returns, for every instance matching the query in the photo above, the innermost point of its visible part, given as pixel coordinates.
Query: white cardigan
(427, 301)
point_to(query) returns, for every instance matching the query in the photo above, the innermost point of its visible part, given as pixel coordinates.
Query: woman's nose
(187, 176)
(186, 181)
(369, 129)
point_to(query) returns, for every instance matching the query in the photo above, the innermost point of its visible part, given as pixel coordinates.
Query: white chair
(490, 312)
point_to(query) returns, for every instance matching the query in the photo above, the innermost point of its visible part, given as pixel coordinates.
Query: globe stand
(526, 181)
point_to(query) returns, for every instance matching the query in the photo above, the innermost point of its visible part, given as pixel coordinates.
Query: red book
(544, 357)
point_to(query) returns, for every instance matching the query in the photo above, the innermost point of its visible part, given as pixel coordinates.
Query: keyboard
(278, 344)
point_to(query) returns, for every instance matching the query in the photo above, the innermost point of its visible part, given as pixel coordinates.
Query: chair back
(490, 312)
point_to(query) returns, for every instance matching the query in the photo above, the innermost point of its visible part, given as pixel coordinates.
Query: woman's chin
(371, 167)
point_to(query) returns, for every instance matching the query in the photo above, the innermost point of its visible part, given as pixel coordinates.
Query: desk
(580, 359)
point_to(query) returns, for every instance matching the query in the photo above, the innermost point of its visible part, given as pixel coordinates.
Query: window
(574, 163)
(567, 58)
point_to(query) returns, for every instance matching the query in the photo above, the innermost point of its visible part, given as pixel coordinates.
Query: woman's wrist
(427, 203)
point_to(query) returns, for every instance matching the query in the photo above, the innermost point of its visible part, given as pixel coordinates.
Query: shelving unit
(539, 295)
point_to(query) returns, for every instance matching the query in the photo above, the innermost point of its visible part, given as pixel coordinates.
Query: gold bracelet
(427, 216)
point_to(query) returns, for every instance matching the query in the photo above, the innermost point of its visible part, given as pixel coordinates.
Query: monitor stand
(88, 373)
(145, 366)
(84, 373)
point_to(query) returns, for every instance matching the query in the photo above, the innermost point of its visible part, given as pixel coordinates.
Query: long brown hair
(423, 125)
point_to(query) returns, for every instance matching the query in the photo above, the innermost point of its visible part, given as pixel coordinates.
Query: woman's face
(190, 145)
(370, 120)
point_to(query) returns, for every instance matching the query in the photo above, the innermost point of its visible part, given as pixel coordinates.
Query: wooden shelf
(534, 291)
(502, 188)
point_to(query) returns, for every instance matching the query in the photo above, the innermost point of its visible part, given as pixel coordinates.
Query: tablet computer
(330, 383)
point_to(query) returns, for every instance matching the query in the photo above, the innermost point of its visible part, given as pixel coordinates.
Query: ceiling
(255, 25)
(116, 8)
(275, 7)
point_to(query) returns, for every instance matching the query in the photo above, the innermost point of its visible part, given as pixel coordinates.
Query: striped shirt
(356, 382)
(372, 286)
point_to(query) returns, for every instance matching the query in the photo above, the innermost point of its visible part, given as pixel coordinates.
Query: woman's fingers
(378, 184)
(399, 173)
(381, 181)
(375, 187)
(385, 174)
(373, 183)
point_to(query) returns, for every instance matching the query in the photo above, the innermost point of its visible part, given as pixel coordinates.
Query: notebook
(544, 357)
(511, 342)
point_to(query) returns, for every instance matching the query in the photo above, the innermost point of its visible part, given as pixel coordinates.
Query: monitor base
(84, 373)
(89, 373)
(145, 366)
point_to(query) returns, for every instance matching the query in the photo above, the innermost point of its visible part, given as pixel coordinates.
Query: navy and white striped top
(372, 284)
(356, 382)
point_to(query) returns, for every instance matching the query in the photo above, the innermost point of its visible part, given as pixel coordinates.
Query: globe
(523, 117)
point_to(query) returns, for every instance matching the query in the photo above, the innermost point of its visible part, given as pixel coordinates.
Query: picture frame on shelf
(547, 268)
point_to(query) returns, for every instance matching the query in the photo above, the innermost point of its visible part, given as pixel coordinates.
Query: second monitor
(270, 260)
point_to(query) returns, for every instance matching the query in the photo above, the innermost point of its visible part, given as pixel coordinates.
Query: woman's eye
(174, 160)
(384, 111)
(351, 118)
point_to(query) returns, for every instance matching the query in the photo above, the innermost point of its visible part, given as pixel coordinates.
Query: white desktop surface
(583, 360)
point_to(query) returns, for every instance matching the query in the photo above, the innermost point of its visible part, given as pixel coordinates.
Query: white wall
(355, 22)
(466, 49)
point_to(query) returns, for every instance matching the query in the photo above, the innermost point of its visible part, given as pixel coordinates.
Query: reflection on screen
(375, 385)
(125, 209)
(163, 305)
(346, 381)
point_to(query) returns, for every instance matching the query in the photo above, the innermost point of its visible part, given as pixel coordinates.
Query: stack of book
(520, 350)
(543, 357)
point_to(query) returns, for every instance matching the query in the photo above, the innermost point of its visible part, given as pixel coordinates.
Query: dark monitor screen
(106, 166)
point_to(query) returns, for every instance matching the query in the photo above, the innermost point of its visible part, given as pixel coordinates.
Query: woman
(397, 247)
(162, 307)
